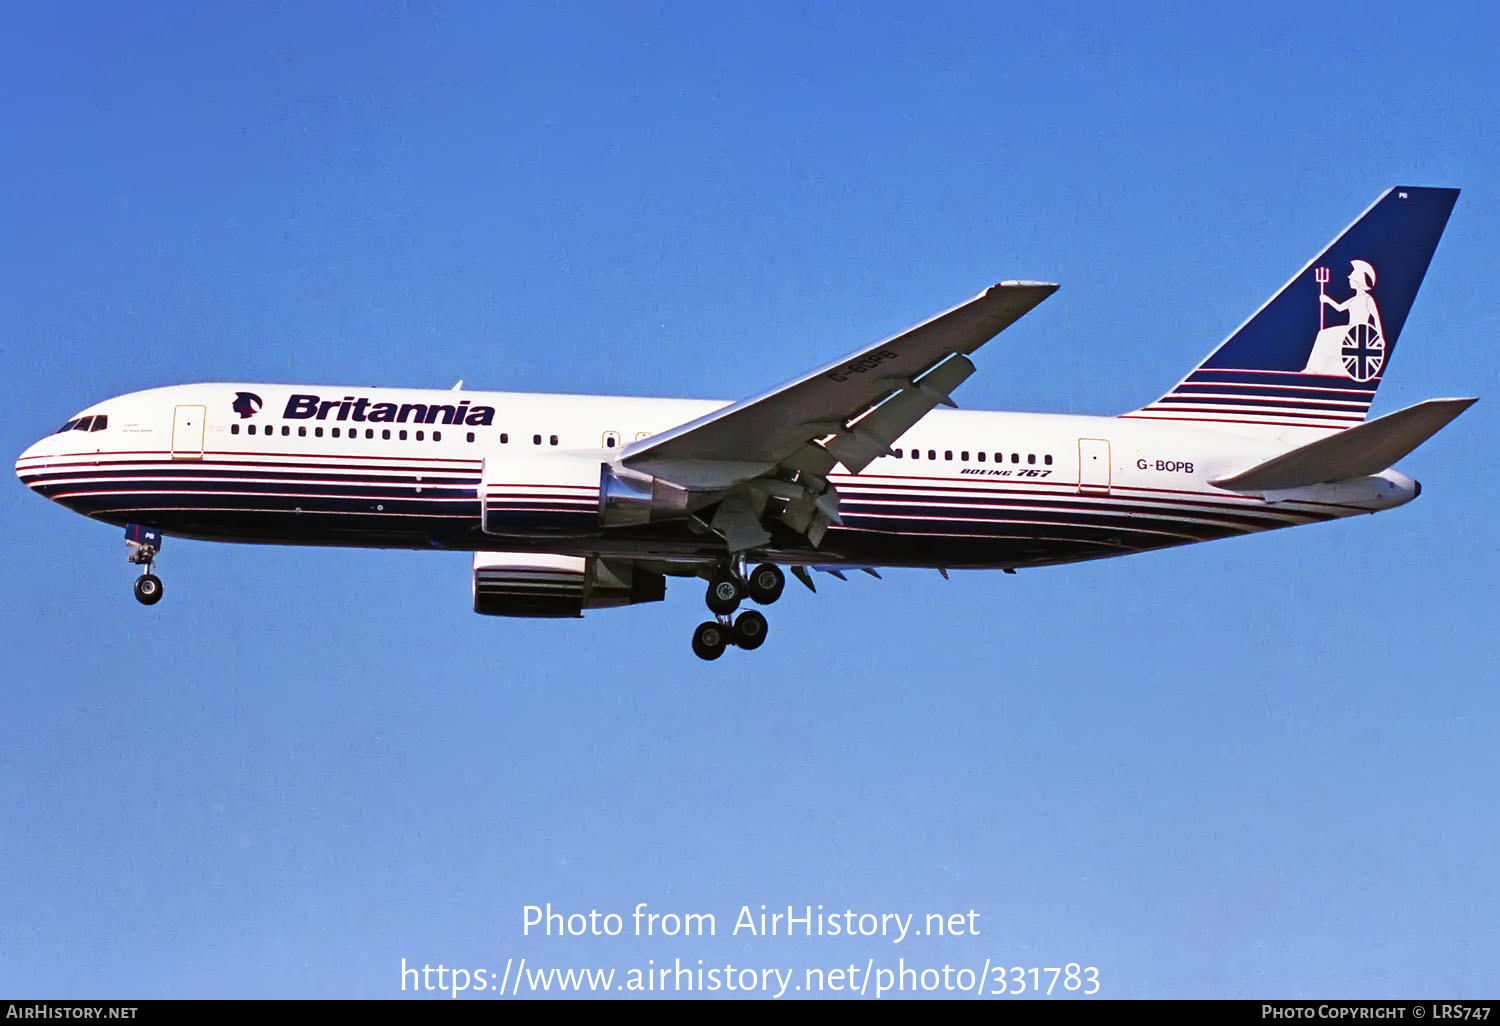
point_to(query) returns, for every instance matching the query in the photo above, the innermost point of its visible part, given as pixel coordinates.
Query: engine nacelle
(571, 494)
(546, 584)
(627, 497)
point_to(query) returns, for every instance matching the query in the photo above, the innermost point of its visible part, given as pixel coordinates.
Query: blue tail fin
(1313, 355)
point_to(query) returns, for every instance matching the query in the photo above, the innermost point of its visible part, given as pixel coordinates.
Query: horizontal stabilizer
(1356, 452)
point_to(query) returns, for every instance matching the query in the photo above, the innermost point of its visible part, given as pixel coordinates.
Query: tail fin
(1314, 354)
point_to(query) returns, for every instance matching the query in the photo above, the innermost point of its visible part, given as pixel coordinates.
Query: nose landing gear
(726, 590)
(144, 543)
(148, 589)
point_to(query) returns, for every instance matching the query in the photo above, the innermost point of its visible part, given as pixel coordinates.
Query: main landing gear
(726, 591)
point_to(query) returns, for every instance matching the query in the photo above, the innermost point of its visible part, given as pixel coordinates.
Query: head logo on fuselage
(246, 404)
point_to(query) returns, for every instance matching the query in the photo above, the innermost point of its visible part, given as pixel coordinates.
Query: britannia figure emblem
(1356, 348)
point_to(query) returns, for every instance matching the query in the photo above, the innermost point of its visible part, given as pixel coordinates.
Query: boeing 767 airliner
(575, 502)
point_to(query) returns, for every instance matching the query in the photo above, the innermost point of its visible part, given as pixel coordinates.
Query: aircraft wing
(849, 411)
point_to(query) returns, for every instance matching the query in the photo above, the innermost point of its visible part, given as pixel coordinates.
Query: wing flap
(1359, 451)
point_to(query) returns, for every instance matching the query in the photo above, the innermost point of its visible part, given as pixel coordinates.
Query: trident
(1320, 273)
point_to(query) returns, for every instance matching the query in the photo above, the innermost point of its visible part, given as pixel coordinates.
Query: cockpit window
(69, 426)
(83, 423)
(100, 422)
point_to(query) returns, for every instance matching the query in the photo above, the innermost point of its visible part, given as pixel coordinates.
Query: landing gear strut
(144, 545)
(726, 590)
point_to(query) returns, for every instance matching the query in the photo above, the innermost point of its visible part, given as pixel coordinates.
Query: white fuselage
(402, 468)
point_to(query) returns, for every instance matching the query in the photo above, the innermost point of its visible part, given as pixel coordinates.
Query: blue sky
(1250, 768)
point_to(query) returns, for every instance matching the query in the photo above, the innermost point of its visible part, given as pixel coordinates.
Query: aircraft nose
(28, 463)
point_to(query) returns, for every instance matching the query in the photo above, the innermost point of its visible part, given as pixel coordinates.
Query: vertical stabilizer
(1315, 353)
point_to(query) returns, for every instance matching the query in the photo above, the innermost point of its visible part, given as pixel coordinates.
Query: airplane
(571, 503)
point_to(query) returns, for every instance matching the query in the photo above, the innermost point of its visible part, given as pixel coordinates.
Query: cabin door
(187, 432)
(1093, 466)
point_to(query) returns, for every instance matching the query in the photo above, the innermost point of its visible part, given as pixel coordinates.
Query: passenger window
(302, 431)
(471, 436)
(369, 432)
(932, 454)
(420, 436)
(284, 430)
(948, 454)
(1047, 460)
(385, 433)
(335, 432)
(898, 454)
(916, 454)
(437, 436)
(536, 439)
(552, 439)
(401, 434)
(318, 432)
(964, 455)
(611, 439)
(504, 438)
(1031, 457)
(1015, 457)
(234, 429)
(980, 455)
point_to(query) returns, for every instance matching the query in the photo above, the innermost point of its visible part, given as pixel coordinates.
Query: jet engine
(551, 585)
